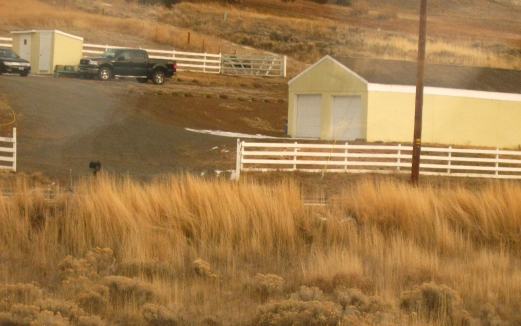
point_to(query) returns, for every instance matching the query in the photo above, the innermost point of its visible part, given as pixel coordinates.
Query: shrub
(25, 315)
(94, 300)
(102, 261)
(18, 294)
(353, 280)
(308, 294)
(155, 315)
(298, 313)
(267, 285)
(123, 290)
(90, 321)
(64, 308)
(201, 267)
(436, 303)
(99, 262)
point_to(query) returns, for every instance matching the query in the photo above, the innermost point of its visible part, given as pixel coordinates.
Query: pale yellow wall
(35, 47)
(449, 120)
(67, 50)
(16, 43)
(329, 79)
(35, 53)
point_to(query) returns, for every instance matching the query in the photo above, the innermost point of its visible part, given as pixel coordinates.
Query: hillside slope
(471, 32)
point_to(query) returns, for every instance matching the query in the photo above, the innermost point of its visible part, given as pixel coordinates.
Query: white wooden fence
(8, 152)
(188, 61)
(228, 64)
(236, 64)
(6, 42)
(265, 65)
(306, 157)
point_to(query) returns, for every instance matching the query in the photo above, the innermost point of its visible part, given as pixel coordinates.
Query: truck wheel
(104, 73)
(142, 80)
(158, 77)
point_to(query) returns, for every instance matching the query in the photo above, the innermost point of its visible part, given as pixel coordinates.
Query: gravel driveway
(64, 123)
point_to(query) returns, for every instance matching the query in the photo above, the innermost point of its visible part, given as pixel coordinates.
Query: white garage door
(309, 116)
(346, 117)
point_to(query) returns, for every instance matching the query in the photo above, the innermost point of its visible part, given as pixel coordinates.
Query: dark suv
(11, 63)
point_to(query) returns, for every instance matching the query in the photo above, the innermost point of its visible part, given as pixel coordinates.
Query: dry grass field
(183, 250)
(190, 250)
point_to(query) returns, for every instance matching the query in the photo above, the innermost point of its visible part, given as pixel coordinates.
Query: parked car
(11, 63)
(131, 63)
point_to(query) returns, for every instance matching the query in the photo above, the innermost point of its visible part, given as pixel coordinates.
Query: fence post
(295, 157)
(204, 63)
(449, 160)
(14, 149)
(220, 63)
(497, 161)
(399, 159)
(345, 158)
(238, 161)
(284, 66)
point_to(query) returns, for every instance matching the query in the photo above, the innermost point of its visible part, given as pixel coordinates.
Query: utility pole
(418, 111)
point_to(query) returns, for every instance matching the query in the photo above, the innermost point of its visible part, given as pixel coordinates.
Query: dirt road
(140, 130)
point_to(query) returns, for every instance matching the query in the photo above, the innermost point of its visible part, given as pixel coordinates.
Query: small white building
(45, 49)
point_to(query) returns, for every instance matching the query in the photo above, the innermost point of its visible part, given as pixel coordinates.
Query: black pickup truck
(131, 63)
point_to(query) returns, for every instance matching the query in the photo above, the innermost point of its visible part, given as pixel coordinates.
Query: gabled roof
(46, 31)
(395, 72)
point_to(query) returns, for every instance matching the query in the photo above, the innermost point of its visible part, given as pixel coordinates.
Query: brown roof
(394, 72)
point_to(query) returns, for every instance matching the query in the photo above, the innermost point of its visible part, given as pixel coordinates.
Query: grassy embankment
(214, 252)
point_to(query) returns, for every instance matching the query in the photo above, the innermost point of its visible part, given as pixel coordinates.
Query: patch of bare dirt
(245, 104)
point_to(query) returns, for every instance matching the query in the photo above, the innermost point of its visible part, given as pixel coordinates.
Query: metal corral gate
(8, 152)
(306, 157)
(253, 64)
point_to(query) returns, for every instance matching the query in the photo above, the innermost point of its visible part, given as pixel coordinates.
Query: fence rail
(6, 42)
(236, 64)
(187, 61)
(8, 152)
(348, 158)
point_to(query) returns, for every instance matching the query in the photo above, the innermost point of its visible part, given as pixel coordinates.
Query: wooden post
(188, 42)
(238, 160)
(416, 145)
